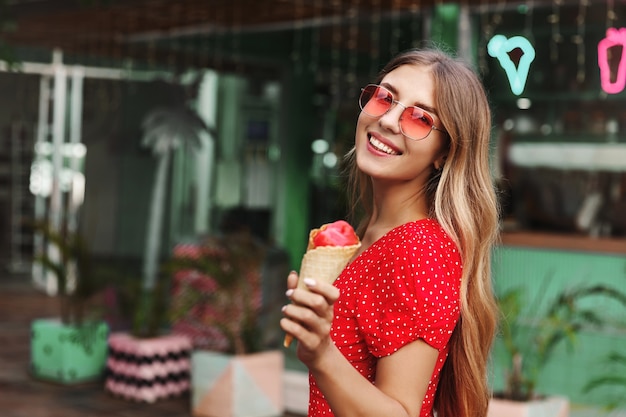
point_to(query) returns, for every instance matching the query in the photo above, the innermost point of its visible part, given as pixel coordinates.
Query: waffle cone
(323, 263)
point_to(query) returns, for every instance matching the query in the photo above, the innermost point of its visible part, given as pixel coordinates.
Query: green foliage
(72, 260)
(86, 335)
(217, 292)
(148, 307)
(143, 312)
(531, 341)
(145, 309)
(615, 378)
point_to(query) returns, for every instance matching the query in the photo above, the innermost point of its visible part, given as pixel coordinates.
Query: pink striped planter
(147, 370)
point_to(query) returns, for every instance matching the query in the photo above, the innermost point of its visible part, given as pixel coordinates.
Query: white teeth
(382, 147)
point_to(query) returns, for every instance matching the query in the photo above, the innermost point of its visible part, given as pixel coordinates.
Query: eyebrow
(426, 107)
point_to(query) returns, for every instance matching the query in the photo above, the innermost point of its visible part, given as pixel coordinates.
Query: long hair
(462, 199)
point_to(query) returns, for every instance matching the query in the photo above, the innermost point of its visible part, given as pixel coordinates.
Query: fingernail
(309, 282)
(289, 292)
(283, 308)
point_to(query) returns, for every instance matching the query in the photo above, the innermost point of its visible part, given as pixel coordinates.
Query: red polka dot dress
(402, 288)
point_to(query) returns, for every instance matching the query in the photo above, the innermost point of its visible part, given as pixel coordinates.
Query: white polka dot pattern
(402, 288)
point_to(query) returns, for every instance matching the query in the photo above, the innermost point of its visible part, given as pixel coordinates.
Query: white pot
(237, 385)
(555, 406)
(296, 388)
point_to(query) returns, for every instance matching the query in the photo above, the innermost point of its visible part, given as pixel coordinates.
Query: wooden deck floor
(23, 396)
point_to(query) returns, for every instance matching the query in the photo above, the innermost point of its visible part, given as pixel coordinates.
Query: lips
(380, 146)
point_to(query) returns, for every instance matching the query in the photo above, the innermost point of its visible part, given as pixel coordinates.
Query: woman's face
(382, 150)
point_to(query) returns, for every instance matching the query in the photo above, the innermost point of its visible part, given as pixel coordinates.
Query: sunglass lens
(416, 123)
(375, 101)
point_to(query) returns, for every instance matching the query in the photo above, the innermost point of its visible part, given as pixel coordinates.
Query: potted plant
(217, 300)
(145, 364)
(71, 348)
(531, 342)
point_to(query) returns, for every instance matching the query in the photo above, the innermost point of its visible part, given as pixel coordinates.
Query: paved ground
(23, 396)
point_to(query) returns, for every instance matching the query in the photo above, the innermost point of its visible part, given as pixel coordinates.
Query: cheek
(360, 131)
(425, 152)
(361, 121)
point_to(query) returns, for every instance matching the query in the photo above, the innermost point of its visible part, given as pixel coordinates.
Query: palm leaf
(618, 358)
(73, 252)
(166, 129)
(603, 381)
(510, 307)
(617, 378)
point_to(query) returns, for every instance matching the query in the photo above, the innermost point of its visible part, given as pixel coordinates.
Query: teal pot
(67, 353)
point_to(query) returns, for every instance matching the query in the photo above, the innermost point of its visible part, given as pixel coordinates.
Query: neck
(394, 205)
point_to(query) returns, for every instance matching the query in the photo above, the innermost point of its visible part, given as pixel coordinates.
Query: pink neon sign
(614, 37)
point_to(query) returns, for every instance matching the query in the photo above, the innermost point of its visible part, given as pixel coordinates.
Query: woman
(406, 329)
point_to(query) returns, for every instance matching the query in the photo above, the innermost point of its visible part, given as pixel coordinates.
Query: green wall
(543, 274)
(294, 195)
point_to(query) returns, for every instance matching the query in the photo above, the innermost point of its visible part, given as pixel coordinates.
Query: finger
(311, 293)
(291, 328)
(291, 323)
(303, 324)
(326, 290)
(300, 314)
(309, 299)
(292, 279)
(311, 310)
(305, 337)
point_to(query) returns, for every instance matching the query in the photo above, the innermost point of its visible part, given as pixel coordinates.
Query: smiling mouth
(379, 146)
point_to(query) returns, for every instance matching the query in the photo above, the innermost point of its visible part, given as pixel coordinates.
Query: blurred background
(276, 83)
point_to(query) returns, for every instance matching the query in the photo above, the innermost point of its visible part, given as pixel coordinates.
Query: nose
(391, 119)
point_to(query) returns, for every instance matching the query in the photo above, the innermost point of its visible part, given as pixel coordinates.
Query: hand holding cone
(329, 250)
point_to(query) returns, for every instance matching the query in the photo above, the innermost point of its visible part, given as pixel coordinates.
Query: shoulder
(425, 238)
(414, 254)
(409, 250)
(422, 257)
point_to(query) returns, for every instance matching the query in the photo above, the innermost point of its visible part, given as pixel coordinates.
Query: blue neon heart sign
(499, 47)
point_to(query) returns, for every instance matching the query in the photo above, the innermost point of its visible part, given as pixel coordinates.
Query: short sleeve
(413, 294)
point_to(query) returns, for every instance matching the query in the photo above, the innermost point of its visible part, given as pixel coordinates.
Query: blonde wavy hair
(462, 198)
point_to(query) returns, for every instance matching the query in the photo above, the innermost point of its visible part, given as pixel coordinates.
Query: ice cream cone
(323, 263)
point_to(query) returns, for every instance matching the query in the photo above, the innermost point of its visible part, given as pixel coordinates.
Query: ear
(439, 162)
